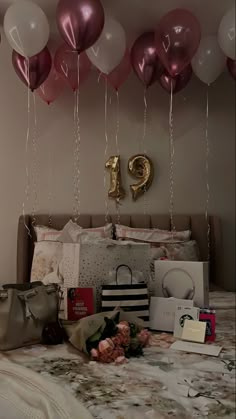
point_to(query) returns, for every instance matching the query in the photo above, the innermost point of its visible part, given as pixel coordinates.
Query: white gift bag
(88, 264)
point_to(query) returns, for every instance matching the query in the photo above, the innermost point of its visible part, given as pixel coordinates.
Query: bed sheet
(162, 384)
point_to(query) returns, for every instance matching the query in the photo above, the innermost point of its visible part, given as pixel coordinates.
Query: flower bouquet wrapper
(88, 327)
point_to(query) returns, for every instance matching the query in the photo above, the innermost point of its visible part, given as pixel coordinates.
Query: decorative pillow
(153, 236)
(71, 233)
(46, 262)
(47, 266)
(187, 251)
(44, 233)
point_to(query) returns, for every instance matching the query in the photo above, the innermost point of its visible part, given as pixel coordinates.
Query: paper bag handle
(130, 271)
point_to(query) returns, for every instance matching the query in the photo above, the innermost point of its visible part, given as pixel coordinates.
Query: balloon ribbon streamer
(77, 149)
(207, 172)
(172, 157)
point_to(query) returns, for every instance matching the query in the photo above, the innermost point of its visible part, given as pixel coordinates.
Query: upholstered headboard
(196, 223)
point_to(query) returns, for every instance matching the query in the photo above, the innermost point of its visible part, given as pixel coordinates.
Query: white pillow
(153, 236)
(184, 251)
(71, 233)
(44, 233)
(46, 260)
(47, 266)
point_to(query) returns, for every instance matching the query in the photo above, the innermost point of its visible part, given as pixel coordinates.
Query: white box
(183, 313)
(185, 280)
(162, 312)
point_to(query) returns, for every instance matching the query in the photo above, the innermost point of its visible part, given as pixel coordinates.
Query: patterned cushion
(47, 266)
(71, 233)
(187, 251)
(152, 236)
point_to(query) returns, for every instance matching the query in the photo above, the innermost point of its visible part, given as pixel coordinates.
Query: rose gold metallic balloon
(144, 59)
(80, 22)
(177, 39)
(32, 71)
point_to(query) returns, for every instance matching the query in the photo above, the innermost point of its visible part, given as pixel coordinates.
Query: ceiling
(140, 15)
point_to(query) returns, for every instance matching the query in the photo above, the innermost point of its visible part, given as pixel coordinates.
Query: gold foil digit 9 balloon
(140, 167)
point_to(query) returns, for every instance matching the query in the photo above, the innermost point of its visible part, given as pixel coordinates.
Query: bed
(164, 383)
(196, 223)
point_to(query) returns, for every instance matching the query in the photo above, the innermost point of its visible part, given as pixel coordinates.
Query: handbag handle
(130, 271)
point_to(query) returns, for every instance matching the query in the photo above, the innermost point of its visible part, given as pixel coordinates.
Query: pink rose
(105, 345)
(144, 337)
(121, 360)
(123, 328)
(118, 351)
(94, 353)
(105, 357)
(117, 339)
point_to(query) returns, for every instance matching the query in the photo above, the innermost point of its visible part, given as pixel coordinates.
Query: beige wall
(56, 129)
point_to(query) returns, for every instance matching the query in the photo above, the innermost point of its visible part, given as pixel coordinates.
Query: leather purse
(24, 312)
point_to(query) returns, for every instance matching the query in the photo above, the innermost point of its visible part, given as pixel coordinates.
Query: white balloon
(227, 35)
(209, 61)
(26, 28)
(107, 53)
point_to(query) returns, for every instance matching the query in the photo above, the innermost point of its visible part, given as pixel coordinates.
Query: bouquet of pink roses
(117, 342)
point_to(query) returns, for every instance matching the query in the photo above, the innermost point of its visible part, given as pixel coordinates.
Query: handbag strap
(130, 271)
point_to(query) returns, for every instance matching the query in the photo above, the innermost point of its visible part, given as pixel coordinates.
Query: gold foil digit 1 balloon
(140, 167)
(116, 190)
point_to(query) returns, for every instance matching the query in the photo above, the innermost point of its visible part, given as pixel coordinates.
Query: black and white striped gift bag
(130, 297)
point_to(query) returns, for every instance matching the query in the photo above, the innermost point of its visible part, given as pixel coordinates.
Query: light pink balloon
(177, 39)
(120, 74)
(51, 89)
(66, 64)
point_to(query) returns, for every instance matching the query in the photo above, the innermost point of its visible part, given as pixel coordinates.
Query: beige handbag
(24, 312)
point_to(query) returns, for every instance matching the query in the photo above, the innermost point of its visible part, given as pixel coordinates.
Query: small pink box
(210, 319)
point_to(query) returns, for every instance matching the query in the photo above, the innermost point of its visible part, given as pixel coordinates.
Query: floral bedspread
(162, 384)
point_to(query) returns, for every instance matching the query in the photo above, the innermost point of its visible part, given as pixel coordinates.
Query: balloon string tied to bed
(207, 171)
(34, 165)
(77, 149)
(117, 202)
(27, 186)
(105, 152)
(50, 182)
(143, 145)
(172, 158)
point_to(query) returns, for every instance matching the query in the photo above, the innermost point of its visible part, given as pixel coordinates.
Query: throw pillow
(152, 236)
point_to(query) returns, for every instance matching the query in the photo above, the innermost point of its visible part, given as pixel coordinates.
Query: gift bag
(89, 264)
(130, 297)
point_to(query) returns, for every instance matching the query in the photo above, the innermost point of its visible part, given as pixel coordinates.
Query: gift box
(162, 312)
(183, 280)
(80, 303)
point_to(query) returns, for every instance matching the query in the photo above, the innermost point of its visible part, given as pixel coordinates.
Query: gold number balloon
(116, 190)
(141, 167)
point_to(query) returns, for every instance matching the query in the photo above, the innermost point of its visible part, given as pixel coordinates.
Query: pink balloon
(179, 82)
(177, 39)
(119, 75)
(66, 64)
(231, 64)
(51, 89)
(145, 60)
(32, 71)
(80, 22)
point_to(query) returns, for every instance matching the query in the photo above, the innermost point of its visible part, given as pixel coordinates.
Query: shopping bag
(130, 297)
